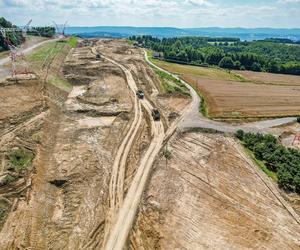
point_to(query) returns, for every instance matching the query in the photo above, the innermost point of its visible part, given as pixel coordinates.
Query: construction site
(102, 149)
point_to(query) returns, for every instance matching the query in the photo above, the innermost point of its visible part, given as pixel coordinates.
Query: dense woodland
(16, 38)
(285, 162)
(268, 55)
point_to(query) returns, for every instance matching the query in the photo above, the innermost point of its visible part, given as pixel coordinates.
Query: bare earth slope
(66, 200)
(206, 196)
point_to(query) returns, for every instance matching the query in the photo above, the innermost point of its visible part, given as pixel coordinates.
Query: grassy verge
(61, 83)
(48, 61)
(129, 42)
(45, 52)
(21, 159)
(171, 85)
(203, 106)
(73, 41)
(261, 165)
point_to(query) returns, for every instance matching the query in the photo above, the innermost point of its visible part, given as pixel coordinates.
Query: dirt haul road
(116, 186)
(194, 119)
(126, 214)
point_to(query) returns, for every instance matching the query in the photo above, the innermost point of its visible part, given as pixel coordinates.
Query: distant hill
(242, 33)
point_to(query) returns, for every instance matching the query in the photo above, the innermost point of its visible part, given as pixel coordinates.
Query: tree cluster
(285, 162)
(15, 38)
(46, 31)
(269, 56)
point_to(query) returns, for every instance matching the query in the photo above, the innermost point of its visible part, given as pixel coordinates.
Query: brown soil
(206, 196)
(263, 77)
(145, 77)
(243, 99)
(66, 198)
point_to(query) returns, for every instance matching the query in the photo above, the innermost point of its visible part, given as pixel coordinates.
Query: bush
(239, 134)
(277, 158)
(227, 63)
(21, 159)
(298, 119)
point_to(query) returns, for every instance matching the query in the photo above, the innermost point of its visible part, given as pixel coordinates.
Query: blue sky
(175, 13)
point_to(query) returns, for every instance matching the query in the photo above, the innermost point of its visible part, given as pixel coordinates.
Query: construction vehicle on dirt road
(155, 114)
(140, 94)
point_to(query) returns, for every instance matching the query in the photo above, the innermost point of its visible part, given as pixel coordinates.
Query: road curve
(192, 118)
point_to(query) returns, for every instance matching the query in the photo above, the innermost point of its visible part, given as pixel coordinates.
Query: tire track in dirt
(121, 228)
(116, 188)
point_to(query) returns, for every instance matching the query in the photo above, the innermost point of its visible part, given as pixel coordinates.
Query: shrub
(277, 158)
(21, 159)
(239, 134)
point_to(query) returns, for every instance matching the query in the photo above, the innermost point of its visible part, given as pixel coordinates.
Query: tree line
(285, 162)
(267, 55)
(16, 38)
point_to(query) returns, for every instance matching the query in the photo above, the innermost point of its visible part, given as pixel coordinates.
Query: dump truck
(155, 114)
(140, 94)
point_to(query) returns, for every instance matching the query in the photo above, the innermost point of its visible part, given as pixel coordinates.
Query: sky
(161, 13)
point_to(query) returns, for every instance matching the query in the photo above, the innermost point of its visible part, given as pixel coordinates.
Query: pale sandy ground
(206, 196)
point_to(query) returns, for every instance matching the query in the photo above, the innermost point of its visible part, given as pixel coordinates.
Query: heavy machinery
(140, 94)
(155, 114)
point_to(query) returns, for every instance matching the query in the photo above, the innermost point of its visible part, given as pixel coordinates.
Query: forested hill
(241, 33)
(16, 38)
(267, 55)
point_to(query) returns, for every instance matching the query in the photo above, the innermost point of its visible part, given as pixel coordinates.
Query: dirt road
(126, 215)
(116, 186)
(192, 118)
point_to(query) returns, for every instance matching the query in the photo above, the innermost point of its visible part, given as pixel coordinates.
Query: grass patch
(150, 54)
(261, 164)
(171, 85)
(49, 50)
(61, 83)
(203, 108)
(129, 42)
(21, 159)
(8, 179)
(73, 41)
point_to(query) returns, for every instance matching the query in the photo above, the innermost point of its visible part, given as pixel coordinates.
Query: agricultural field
(241, 94)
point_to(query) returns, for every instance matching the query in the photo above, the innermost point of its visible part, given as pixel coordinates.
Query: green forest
(285, 162)
(16, 38)
(270, 55)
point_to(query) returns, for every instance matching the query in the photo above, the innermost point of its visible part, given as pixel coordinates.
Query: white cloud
(181, 13)
(288, 1)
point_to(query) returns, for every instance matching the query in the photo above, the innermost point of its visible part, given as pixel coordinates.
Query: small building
(158, 55)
